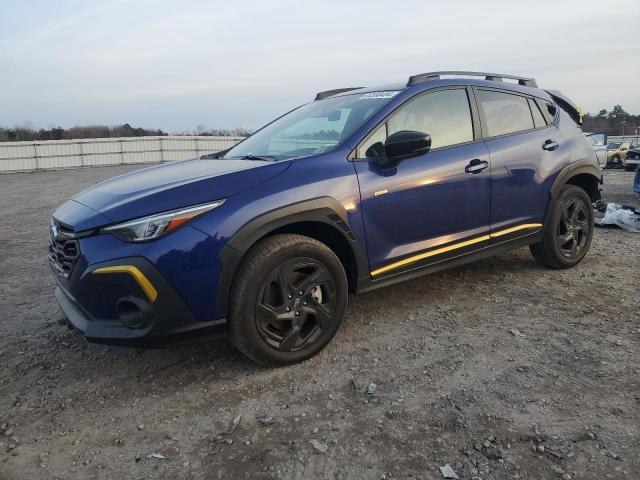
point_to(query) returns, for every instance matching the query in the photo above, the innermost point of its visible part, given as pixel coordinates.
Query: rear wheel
(568, 235)
(288, 300)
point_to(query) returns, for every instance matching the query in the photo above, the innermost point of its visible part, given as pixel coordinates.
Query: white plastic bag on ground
(624, 218)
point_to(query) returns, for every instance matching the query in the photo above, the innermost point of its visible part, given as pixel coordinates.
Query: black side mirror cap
(407, 143)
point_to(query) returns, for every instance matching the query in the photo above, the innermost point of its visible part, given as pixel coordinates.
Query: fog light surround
(134, 313)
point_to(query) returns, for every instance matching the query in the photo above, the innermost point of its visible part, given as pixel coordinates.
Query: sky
(178, 64)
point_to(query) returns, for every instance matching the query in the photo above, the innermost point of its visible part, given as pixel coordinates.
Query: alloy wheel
(295, 304)
(573, 228)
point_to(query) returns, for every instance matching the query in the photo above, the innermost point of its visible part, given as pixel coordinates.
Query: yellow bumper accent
(140, 278)
(454, 246)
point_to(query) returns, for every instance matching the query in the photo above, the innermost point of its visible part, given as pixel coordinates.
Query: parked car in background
(359, 189)
(617, 152)
(633, 159)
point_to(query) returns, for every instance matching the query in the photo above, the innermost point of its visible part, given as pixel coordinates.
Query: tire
(288, 300)
(569, 231)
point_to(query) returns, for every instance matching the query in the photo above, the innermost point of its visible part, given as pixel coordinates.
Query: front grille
(63, 250)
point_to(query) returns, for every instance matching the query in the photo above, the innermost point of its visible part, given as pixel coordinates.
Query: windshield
(316, 127)
(614, 146)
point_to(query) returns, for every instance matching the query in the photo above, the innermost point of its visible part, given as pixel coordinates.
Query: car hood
(163, 187)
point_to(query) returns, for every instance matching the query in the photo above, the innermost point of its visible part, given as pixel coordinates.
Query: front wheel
(567, 236)
(288, 300)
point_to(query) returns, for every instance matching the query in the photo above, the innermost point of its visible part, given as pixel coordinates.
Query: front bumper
(167, 320)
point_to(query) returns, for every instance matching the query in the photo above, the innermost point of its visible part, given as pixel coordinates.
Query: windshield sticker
(388, 94)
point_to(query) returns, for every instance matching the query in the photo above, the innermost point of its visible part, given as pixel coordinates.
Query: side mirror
(334, 116)
(407, 143)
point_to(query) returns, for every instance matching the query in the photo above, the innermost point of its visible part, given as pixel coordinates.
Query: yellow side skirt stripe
(455, 246)
(140, 278)
(525, 226)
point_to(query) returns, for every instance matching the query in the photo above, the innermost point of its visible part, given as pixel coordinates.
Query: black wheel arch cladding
(324, 212)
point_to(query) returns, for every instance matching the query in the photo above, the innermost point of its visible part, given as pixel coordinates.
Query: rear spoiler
(574, 111)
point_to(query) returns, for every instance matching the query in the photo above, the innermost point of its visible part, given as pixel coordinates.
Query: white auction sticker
(387, 94)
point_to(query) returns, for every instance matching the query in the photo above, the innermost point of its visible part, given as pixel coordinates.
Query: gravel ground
(500, 368)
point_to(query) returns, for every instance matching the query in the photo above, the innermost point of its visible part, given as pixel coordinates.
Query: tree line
(615, 122)
(26, 133)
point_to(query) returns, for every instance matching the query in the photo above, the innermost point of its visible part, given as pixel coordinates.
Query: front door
(430, 207)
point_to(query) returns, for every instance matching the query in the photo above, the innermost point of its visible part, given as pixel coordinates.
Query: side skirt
(495, 248)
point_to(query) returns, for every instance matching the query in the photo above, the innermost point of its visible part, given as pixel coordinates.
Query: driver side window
(445, 115)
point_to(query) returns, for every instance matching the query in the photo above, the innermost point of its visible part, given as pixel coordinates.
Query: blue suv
(361, 188)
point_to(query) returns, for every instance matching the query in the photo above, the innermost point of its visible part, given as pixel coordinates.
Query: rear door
(526, 154)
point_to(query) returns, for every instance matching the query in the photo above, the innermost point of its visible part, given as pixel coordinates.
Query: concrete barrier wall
(55, 154)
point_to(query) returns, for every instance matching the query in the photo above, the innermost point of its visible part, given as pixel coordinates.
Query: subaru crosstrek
(358, 189)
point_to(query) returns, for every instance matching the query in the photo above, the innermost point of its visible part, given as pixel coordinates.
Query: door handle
(476, 166)
(550, 145)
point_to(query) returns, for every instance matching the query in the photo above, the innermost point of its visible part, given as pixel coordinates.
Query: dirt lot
(501, 369)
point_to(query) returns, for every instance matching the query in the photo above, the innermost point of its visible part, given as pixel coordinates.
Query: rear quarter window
(548, 109)
(538, 118)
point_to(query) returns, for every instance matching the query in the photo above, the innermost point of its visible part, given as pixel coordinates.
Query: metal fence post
(35, 156)
(81, 154)
(121, 152)
(161, 151)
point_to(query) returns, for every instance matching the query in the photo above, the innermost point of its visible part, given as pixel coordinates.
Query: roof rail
(495, 77)
(330, 93)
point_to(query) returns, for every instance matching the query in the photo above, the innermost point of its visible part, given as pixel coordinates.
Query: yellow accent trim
(428, 254)
(451, 247)
(380, 192)
(507, 231)
(146, 286)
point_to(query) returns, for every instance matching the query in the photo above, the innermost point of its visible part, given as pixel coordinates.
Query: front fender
(325, 210)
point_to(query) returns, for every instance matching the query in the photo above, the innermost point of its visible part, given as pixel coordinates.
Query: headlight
(155, 226)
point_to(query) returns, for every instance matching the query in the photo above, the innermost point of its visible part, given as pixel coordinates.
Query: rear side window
(505, 113)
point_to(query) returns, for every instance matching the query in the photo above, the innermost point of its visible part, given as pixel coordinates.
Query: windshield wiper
(265, 158)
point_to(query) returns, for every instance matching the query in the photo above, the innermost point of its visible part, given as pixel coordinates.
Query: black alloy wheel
(568, 231)
(288, 299)
(296, 303)
(574, 228)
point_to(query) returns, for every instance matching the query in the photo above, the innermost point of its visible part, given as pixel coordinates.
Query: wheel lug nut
(304, 303)
(289, 296)
(297, 313)
(288, 309)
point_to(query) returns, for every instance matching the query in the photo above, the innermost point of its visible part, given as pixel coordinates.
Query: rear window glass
(505, 113)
